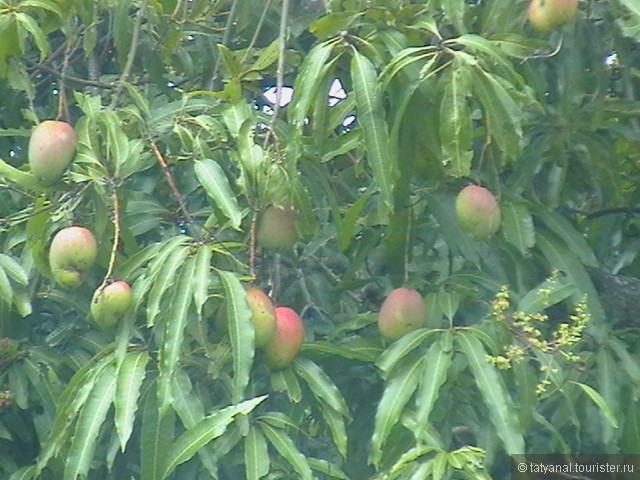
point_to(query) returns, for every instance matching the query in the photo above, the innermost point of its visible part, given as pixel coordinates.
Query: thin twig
(225, 40)
(282, 37)
(135, 38)
(172, 184)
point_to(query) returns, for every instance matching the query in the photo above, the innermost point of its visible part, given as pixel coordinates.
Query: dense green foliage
(179, 151)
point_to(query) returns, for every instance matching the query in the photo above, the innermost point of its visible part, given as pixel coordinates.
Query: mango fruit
(263, 315)
(478, 212)
(286, 342)
(72, 253)
(403, 311)
(110, 303)
(547, 15)
(277, 228)
(51, 149)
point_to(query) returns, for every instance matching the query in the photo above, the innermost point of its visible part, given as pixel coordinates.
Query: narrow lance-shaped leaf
(174, 327)
(321, 385)
(212, 177)
(455, 121)
(399, 390)
(163, 280)
(69, 404)
(130, 376)
(502, 114)
(308, 81)
(13, 269)
(600, 402)
(401, 348)
(436, 367)
(550, 292)
(156, 436)
(517, 226)
(203, 432)
(94, 412)
(287, 449)
(561, 256)
(256, 454)
(202, 277)
(380, 153)
(241, 332)
(494, 393)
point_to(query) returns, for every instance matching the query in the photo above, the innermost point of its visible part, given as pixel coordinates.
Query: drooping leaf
(517, 226)
(402, 347)
(174, 329)
(164, 279)
(371, 119)
(494, 393)
(399, 389)
(131, 373)
(13, 269)
(201, 277)
(215, 182)
(321, 385)
(92, 416)
(436, 367)
(600, 402)
(502, 113)
(156, 437)
(211, 427)
(549, 292)
(286, 447)
(562, 257)
(256, 454)
(241, 332)
(455, 121)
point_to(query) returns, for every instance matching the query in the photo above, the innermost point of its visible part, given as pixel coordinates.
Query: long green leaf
(203, 432)
(69, 404)
(189, 407)
(517, 226)
(256, 454)
(308, 81)
(549, 292)
(502, 113)
(287, 449)
(568, 232)
(561, 256)
(494, 393)
(164, 279)
(600, 402)
(336, 422)
(6, 292)
(131, 373)
(174, 328)
(13, 269)
(241, 332)
(455, 121)
(93, 415)
(401, 348)
(201, 277)
(321, 385)
(380, 153)
(215, 182)
(156, 436)
(436, 367)
(398, 391)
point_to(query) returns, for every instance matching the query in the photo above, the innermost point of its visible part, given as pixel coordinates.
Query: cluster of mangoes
(73, 249)
(279, 331)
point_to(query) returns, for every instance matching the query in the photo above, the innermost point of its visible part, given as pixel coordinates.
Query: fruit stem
(116, 236)
(252, 245)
